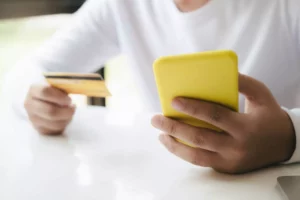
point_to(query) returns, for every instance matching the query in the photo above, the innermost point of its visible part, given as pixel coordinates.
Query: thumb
(255, 91)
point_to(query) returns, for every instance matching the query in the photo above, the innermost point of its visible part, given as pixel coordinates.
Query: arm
(84, 45)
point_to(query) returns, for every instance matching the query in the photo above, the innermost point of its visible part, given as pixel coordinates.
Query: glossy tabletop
(114, 156)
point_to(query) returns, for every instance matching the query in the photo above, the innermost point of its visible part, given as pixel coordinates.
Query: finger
(255, 91)
(50, 94)
(211, 113)
(196, 137)
(50, 111)
(195, 156)
(50, 126)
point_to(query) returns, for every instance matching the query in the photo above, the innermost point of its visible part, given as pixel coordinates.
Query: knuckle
(215, 113)
(172, 128)
(198, 140)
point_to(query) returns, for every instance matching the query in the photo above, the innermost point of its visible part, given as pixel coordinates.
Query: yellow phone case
(210, 76)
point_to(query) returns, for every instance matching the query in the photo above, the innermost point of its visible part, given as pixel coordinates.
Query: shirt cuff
(294, 115)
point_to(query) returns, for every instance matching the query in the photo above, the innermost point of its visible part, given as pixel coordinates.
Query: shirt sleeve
(293, 19)
(294, 115)
(293, 23)
(83, 45)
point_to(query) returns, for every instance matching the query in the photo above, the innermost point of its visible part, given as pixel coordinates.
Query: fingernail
(177, 104)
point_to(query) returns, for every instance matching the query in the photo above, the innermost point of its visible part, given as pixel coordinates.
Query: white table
(114, 156)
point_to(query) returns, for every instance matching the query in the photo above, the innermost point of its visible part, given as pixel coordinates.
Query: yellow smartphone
(210, 76)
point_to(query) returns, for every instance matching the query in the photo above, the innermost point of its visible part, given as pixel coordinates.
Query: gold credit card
(91, 85)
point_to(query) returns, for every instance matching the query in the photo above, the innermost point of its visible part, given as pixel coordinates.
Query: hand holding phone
(210, 76)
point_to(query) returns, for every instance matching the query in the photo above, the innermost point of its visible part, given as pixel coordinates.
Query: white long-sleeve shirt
(264, 34)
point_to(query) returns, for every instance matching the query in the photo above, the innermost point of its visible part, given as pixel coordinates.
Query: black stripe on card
(75, 78)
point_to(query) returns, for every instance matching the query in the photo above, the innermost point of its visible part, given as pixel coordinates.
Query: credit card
(91, 85)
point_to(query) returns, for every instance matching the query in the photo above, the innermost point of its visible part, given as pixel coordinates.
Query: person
(264, 34)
